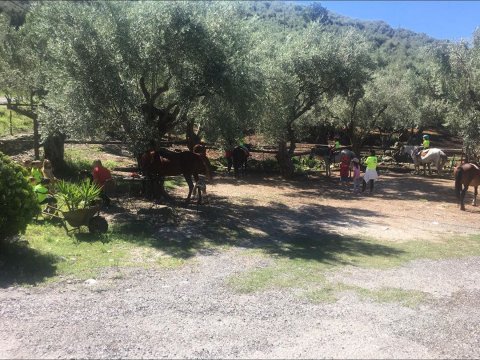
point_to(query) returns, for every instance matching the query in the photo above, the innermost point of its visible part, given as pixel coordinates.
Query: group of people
(369, 177)
(42, 180)
(370, 163)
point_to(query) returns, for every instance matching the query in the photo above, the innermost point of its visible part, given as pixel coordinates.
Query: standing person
(344, 169)
(371, 171)
(337, 144)
(356, 175)
(102, 177)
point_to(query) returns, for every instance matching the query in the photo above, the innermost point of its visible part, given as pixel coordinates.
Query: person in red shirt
(344, 169)
(103, 178)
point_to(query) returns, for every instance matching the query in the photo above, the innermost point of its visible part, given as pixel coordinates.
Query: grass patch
(302, 264)
(409, 298)
(20, 123)
(51, 254)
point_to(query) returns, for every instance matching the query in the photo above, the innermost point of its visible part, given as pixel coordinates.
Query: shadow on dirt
(276, 228)
(391, 186)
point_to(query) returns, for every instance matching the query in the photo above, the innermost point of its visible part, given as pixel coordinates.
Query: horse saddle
(423, 153)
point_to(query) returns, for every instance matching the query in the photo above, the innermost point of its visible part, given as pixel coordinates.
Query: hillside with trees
(215, 70)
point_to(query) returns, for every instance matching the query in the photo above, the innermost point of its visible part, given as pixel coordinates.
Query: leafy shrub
(303, 164)
(77, 196)
(18, 203)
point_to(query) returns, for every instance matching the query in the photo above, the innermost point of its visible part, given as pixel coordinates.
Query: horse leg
(462, 197)
(326, 160)
(188, 179)
(475, 192)
(199, 188)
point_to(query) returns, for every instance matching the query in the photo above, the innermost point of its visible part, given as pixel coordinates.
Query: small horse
(466, 175)
(330, 157)
(157, 164)
(240, 155)
(425, 158)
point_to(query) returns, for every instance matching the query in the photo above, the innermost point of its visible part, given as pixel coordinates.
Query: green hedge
(18, 203)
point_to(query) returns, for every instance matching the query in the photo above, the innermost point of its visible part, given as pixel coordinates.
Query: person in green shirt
(371, 171)
(426, 142)
(36, 173)
(337, 144)
(42, 193)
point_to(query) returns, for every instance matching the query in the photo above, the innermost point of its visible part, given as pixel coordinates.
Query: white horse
(426, 157)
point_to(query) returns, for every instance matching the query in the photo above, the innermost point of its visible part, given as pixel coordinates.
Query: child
(344, 169)
(42, 193)
(103, 178)
(356, 175)
(35, 171)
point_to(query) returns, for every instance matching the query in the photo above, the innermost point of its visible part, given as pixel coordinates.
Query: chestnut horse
(466, 175)
(157, 164)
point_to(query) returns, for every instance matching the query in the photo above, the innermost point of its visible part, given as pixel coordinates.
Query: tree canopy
(139, 70)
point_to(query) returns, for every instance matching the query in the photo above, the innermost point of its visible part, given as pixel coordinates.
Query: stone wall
(13, 145)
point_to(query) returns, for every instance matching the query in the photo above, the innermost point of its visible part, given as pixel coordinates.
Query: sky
(442, 20)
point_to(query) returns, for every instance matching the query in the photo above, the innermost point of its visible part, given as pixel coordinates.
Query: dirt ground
(191, 312)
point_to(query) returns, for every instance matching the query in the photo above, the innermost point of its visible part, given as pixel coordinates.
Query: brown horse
(466, 175)
(239, 160)
(158, 164)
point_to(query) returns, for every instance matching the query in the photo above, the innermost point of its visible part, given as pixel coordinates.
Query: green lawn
(20, 123)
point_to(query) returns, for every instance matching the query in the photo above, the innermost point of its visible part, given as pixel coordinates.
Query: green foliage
(77, 196)
(18, 203)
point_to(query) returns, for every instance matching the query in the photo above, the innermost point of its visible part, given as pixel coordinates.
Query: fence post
(11, 125)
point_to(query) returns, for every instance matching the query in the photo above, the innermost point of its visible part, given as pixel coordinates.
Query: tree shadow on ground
(391, 186)
(20, 264)
(276, 228)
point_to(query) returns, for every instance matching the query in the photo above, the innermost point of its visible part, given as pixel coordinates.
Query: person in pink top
(356, 175)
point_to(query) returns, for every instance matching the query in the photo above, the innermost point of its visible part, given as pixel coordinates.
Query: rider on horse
(425, 144)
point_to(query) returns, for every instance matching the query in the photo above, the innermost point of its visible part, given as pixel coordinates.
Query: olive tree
(460, 65)
(131, 70)
(302, 70)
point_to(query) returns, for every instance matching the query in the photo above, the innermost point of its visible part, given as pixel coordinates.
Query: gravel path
(191, 312)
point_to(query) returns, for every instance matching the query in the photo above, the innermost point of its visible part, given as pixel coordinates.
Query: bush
(18, 203)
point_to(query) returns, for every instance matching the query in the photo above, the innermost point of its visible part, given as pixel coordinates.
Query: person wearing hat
(425, 144)
(371, 171)
(356, 175)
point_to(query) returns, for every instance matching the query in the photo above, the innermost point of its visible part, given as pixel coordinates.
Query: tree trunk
(192, 138)
(284, 160)
(54, 148)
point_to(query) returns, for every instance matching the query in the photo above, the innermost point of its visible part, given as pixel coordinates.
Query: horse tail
(206, 164)
(458, 181)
